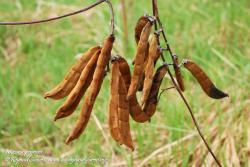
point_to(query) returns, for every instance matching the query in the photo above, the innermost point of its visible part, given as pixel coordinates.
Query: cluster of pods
(88, 73)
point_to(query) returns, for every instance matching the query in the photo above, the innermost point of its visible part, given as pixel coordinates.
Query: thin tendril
(164, 90)
(54, 18)
(112, 21)
(112, 29)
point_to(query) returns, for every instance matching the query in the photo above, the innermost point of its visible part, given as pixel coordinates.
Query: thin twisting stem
(193, 118)
(68, 15)
(156, 14)
(112, 22)
(54, 18)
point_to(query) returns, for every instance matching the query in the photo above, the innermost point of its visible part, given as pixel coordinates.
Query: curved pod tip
(207, 85)
(216, 93)
(69, 140)
(111, 38)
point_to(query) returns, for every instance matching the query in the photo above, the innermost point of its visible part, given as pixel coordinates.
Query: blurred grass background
(216, 34)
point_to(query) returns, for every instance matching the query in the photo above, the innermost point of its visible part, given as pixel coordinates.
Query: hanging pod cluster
(88, 73)
(147, 77)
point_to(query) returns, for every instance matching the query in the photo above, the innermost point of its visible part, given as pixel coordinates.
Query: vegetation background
(216, 34)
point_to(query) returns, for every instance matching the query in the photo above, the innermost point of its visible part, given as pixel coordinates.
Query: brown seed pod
(152, 100)
(123, 115)
(72, 101)
(141, 23)
(68, 83)
(134, 108)
(205, 82)
(113, 103)
(125, 71)
(139, 60)
(149, 69)
(143, 115)
(94, 89)
(140, 87)
(137, 113)
(178, 74)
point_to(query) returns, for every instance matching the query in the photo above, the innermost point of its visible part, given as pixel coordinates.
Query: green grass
(35, 58)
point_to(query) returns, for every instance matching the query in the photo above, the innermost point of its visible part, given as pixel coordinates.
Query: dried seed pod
(123, 115)
(152, 100)
(139, 60)
(178, 74)
(125, 71)
(137, 113)
(113, 103)
(149, 70)
(205, 82)
(143, 115)
(140, 87)
(94, 89)
(134, 108)
(72, 101)
(64, 87)
(141, 23)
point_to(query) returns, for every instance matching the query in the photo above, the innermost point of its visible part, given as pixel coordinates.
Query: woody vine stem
(68, 15)
(112, 26)
(156, 14)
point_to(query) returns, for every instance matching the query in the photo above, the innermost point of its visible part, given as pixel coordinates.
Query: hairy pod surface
(204, 81)
(141, 23)
(94, 89)
(139, 60)
(125, 71)
(152, 100)
(135, 110)
(113, 102)
(123, 115)
(68, 83)
(140, 87)
(144, 114)
(149, 69)
(72, 101)
(178, 74)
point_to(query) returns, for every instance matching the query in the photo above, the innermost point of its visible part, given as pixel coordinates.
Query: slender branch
(68, 15)
(156, 14)
(112, 16)
(54, 18)
(155, 8)
(194, 119)
(164, 90)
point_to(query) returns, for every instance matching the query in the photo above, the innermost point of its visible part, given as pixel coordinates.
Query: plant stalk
(156, 14)
(54, 18)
